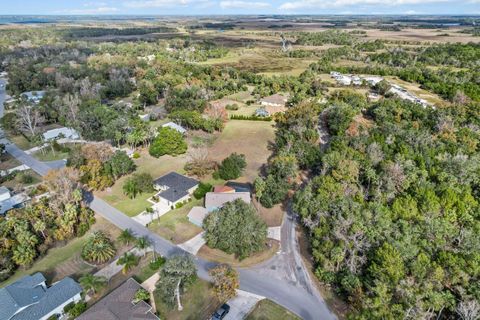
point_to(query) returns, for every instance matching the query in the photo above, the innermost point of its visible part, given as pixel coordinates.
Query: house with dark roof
(119, 305)
(29, 298)
(174, 188)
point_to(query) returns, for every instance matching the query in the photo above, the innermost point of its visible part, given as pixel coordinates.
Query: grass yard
(146, 163)
(21, 142)
(198, 303)
(65, 260)
(175, 226)
(8, 162)
(251, 138)
(49, 155)
(269, 310)
(18, 183)
(222, 257)
(273, 217)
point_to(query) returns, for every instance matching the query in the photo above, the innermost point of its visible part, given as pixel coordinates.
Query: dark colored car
(221, 312)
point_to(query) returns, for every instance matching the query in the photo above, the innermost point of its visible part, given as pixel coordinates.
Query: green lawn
(198, 303)
(146, 163)
(49, 155)
(268, 310)
(175, 226)
(130, 207)
(21, 142)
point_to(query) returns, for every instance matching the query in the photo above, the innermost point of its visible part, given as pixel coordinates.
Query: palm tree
(92, 283)
(24, 255)
(142, 244)
(98, 248)
(126, 237)
(128, 260)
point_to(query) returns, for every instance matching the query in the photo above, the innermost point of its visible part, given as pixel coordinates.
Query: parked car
(221, 312)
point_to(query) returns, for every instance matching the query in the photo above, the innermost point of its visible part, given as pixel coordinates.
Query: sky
(207, 7)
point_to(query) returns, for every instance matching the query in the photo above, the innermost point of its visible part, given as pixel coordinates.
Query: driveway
(145, 218)
(242, 305)
(193, 245)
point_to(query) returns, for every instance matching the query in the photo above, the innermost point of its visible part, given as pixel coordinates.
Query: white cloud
(236, 4)
(162, 3)
(93, 11)
(411, 12)
(302, 4)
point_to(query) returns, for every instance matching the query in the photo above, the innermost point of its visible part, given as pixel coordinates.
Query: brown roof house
(119, 305)
(274, 103)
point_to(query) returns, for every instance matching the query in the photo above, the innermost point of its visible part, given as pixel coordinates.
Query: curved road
(291, 289)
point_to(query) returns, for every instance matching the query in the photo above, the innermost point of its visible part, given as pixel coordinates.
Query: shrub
(232, 167)
(232, 107)
(157, 263)
(136, 155)
(252, 118)
(78, 309)
(169, 141)
(202, 189)
(179, 205)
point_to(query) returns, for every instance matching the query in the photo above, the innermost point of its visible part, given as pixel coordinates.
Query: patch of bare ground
(271, 248)
(273, 217)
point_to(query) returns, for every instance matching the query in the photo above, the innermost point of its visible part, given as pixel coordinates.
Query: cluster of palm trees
(100, 249)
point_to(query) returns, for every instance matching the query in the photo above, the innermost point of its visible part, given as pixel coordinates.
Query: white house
(63, 132)
(276, 100)
(174, 188)
(175, 126)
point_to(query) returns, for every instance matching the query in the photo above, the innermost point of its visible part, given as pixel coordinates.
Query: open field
(269, 310)
(198, 303)
(251, 138)
(219, 256)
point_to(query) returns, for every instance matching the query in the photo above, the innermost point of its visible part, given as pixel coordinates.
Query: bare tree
(71, 103)
(198, 163)
(28, 118)
(468, 310)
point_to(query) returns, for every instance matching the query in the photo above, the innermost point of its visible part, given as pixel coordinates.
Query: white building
(9, 201)
(175, 126)
(58, 133)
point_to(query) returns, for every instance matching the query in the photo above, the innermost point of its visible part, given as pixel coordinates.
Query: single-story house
(174, 188)
(214, 200)
(276, 100)
(119, 305)
(196, 215)
(175, 126)
(58, 133)
(33, 96)
(29, 298)
(9, 201)
(262, 112)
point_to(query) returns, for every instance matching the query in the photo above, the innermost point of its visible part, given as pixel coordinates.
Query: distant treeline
(98, 32)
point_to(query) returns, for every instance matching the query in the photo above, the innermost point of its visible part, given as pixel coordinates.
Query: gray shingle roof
(56, 295)
(177, 186)
(30, 293)
(215, 200)
(22, 293)
(117, 305)
(173, 195)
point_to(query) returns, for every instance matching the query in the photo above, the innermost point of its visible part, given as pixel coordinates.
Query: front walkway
(242, 305)
(145, 218)
(193, 245)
